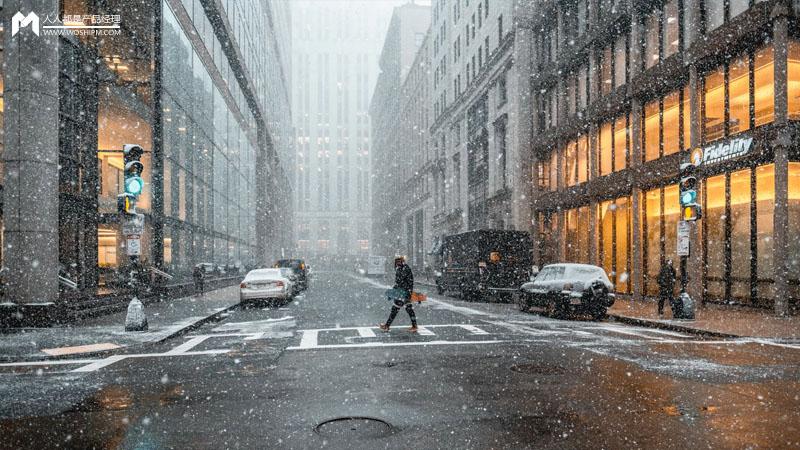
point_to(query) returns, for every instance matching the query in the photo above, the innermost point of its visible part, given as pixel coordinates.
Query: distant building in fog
(400, 110)
(335, 50)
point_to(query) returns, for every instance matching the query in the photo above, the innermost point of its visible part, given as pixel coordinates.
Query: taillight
(279, 283)
(243, 285)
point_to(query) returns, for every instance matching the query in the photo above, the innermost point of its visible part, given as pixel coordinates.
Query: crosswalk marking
(366, 332)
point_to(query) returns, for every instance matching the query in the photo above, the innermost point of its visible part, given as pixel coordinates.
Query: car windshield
(550, 273)
(579, 273)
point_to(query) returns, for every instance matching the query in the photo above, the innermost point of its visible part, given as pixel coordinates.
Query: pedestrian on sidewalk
(199, 276)
(666, 286)
(404, 282)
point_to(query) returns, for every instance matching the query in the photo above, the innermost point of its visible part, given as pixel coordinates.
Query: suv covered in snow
(569, 288)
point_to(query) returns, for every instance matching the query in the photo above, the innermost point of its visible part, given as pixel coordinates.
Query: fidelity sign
(722, 151)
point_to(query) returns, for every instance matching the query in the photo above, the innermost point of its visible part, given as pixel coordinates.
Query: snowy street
(476, 375)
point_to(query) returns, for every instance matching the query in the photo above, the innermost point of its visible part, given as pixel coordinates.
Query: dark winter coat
(666, 278)
(404, 278)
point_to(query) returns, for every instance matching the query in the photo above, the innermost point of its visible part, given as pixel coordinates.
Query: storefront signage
(722, 151)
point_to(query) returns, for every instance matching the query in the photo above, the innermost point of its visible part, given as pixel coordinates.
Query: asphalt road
(317, 373)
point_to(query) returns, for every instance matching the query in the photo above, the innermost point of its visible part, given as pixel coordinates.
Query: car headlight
(437, 273)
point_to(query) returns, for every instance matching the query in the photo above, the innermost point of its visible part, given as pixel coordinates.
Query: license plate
(575, 301)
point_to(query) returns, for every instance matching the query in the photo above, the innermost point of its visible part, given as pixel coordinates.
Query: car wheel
(560, 310)
(599, 312)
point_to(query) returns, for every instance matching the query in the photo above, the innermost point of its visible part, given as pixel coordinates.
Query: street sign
(683, 238)
(134, 245)
(133, 224)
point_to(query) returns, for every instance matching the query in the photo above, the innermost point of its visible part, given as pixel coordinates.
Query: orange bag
(418, 297)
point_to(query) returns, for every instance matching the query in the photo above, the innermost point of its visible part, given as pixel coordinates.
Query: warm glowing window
(740, 233)
(687, 120)
(651, 131)
(739, 95)
(652, 222)
(794, 80)
(605, 157)
(620, 143)
(671, 124)
(764, 86)
(714, 111)
(672, 213)
(765, 210)
(107, 247)
(570, 164)
(794, 221)
(715, 217)
(554, 171)
(583, 159)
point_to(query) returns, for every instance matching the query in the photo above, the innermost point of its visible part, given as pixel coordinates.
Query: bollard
(135, 320)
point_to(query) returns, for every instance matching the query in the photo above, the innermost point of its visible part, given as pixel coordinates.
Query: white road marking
(366, 332)
(309, 338)
(188, 345)
(473, 329)
(117, 358)
(396, 344)
(776, 344)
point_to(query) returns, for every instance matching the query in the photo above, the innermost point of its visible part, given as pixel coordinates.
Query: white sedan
(265, 284)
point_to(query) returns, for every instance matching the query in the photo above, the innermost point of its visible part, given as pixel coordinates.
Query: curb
(102, 353)
(671, 327)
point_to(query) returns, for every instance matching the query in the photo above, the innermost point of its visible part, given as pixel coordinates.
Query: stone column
(781, 147)
(30, 209)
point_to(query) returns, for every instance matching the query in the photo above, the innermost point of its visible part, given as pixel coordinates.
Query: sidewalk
(710, 320)
(102, 334)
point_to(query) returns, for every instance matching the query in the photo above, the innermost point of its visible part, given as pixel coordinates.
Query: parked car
(563, 289)
(299, 268)
(265, 285)
(484, 263)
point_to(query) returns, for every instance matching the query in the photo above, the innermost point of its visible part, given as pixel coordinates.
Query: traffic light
(690, 209)
(126, 203)
(134, 184)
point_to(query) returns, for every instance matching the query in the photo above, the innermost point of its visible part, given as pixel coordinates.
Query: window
(502, 91)
(620, 60)
(604, 149)
(614, 227)
(715, 14)
(651, 131)
(583, 90)
(576, 237)
(576, 161)
(651, 41)
(671, 33)
(671, 123)
(793, 84)
(739, 95)
(606, 80)
(731, 84)
(764, 86)
(667, 125)
(621, 143)
(714, 108)
(500, 30)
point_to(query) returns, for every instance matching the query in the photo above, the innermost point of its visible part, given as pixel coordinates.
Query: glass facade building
(204, 87)
(621, 102)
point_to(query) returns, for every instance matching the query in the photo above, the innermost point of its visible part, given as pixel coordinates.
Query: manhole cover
(350, 427)
(537, 369)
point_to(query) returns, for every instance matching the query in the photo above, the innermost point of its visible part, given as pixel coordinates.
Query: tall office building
(335, 48)
(202, 85)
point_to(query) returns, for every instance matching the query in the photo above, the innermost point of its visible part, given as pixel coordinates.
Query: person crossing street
(404, 282)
